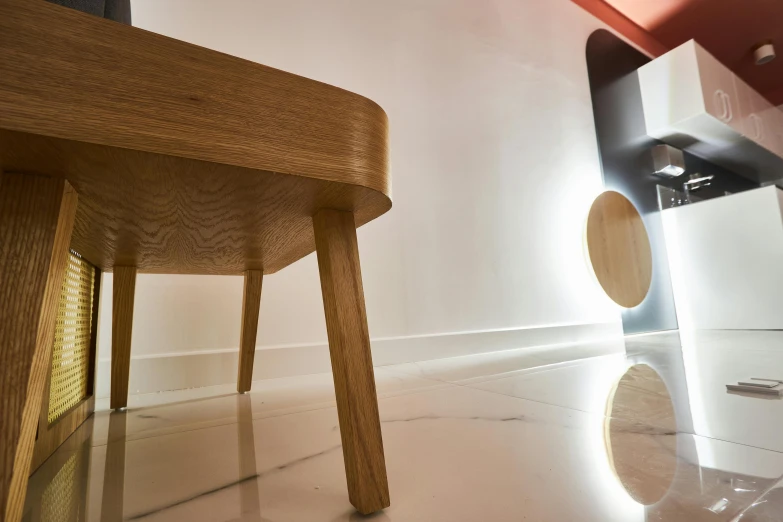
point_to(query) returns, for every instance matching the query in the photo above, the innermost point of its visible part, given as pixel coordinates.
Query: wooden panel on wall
(619, 249)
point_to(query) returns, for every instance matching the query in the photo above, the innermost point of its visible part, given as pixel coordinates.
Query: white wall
(494, 162)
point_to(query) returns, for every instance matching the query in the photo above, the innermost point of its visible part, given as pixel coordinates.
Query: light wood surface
(619, 249)
(189, 161)
(251, 305)
(36, 220)
(186, 160)
(175, 215)
(643, 459)
(349, 347)
(121, 333)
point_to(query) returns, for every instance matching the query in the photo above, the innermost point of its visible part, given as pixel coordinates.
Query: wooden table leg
(349, 346)
(121, 333)
(36, 220)
(251, 304)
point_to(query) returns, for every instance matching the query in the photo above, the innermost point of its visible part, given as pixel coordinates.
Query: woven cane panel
(71, 352)
(60, 499)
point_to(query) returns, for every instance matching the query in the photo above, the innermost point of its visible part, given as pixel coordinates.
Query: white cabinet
(694, 102)
(758, 116)
(718, 87)
(687, 92)
(774, 118)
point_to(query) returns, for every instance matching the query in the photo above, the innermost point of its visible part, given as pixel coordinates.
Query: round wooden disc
(640, 435)
(619, 249)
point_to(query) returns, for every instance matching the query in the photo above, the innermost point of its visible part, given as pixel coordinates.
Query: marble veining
(243, 480)
(581, 432)
(439, 417)
(176, 503)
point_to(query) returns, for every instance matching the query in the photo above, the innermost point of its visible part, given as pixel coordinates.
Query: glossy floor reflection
(635, 430)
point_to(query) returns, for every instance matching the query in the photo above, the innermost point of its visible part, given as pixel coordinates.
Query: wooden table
(149, 155)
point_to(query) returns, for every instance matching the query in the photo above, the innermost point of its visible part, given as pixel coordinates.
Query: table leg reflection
(248, 487)
(112, 501)
(114, 470)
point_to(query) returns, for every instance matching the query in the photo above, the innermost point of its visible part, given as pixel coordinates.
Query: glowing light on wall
(607, 483)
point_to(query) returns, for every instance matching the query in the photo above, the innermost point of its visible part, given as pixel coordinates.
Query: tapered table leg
(36, 220)
(349, 347)
(121, 333)
(251, 304)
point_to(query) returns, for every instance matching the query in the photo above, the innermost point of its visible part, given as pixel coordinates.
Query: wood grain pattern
(121, 333)
(117, 85)
(619, 249)
(36, 220)
(51, 437)
(173, 215)
(251, 306)
(186, 160)
(349, 347)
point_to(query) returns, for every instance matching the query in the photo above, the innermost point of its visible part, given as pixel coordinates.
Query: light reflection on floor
(634, 430)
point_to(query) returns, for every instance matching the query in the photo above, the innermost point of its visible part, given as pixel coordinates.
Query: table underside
(172, 215)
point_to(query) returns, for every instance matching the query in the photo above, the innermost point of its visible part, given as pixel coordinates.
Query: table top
(185, 160)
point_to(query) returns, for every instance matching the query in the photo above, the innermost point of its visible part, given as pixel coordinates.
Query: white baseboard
(149, 374)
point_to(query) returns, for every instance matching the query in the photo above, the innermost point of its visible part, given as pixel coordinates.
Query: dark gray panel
(627, 166)
(117, 10)
(93, 7)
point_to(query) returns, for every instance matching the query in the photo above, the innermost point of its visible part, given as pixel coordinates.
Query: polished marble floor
(640, 429)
